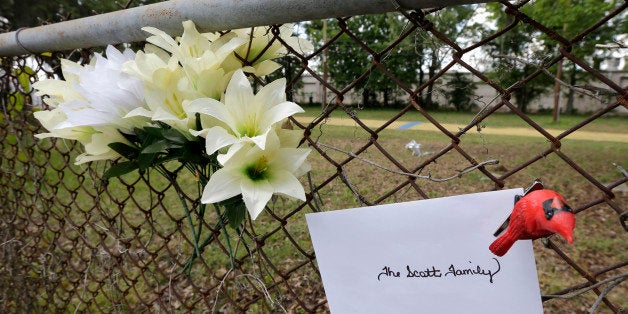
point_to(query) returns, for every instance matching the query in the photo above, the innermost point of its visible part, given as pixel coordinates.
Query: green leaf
(174, 136)
(147, 135)
(131, 137)
(128, 152)
(164, 159)
(157, 147)
(120, 169)
(152, 132)
(145, 161)
(235, 211)
(188, 156)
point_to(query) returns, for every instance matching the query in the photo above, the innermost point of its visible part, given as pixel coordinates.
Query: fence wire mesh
(72, 241)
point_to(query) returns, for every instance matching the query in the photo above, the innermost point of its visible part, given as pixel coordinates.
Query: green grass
(143, 214)
(617, 124)
(599, 237)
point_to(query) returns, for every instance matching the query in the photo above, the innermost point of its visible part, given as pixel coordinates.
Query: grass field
(611, 123)
(146, 213)
(600, 239)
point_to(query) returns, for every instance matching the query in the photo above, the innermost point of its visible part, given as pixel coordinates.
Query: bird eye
(548, 209)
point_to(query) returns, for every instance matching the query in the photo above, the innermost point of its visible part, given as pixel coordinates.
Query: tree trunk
(434, 65)
(559, 73)
(287, 69)
(365, 97)
(430, 89)
(571, 94)
(386, 96)
(521, 96)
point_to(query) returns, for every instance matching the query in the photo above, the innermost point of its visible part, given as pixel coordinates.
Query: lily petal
(239, 91)
(210, 107)
(281, 111)
(160, 39)
(286, 183)
(266, 67)
(222, 185)
(273, 93)
(217, 138)
(256, 195)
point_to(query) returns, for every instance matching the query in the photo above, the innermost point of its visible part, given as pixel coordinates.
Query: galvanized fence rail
(72, 241)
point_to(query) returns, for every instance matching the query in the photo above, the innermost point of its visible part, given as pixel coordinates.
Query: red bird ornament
(538, 214)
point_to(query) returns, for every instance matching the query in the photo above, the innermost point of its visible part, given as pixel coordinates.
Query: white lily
(192, 71)
(166, 90)
(247, 117)
(200, 58)
(260, 49)
(257, 174)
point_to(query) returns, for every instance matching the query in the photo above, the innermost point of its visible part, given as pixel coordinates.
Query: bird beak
(563, 223)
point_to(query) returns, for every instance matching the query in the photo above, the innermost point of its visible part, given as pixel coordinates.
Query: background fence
(71, 241)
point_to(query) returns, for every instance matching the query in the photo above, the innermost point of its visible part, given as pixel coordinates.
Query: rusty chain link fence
(71, 241)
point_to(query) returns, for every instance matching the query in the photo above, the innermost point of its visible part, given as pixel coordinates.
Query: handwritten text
(453, 270)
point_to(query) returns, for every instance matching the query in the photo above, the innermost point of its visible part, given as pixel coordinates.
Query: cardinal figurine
(539, 213)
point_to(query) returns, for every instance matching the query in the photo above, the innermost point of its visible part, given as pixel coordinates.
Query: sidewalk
(427, 126)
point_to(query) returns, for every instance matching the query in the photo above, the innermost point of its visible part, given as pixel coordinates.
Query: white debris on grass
(416, 148)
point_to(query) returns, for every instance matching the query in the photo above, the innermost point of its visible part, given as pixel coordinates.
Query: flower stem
(173, 179)
(224, 229)
(189, 218)
(201, 211)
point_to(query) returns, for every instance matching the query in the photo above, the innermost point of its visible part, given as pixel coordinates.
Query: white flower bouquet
(187, 100)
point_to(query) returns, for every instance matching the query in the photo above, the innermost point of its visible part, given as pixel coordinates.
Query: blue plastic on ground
(408, 125)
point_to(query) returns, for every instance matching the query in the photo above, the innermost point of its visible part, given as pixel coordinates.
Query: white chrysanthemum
(91, 104)
(247, 117)
(95, 94)
(257, 174)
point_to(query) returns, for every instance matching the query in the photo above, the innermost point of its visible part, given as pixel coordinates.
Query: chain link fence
(72, 241)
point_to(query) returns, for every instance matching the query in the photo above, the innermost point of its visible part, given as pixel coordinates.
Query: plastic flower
(247, 117)
(200, 58)
(167, 94)
(188, 67)
(257, 174)
(91, 104)
(95, 94)
(261, 48)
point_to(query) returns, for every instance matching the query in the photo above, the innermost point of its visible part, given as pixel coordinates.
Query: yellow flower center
(249, 126)
(175, 106)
